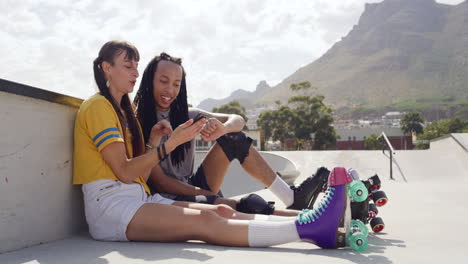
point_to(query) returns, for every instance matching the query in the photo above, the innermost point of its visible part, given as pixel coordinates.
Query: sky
(225, 45)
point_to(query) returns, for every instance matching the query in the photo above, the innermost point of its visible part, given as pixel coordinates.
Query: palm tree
(412, 122)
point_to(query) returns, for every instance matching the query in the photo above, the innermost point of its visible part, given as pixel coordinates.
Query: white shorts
(110, 206)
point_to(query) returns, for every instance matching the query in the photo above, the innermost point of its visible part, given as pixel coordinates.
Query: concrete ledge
(38, 202)
(37, 93)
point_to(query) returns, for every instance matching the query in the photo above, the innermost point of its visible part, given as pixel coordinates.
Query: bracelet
(162, 155)
(159, 153)
(149, 146)
(163, 146)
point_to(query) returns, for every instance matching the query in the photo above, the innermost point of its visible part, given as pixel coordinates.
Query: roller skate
(379, 197)
(367, 211)
(307, 192)
(329, 224)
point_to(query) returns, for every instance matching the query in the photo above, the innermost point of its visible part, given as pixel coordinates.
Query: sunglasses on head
(167, 57)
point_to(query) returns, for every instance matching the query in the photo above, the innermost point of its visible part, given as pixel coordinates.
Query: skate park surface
(424, 218)
(42, 219)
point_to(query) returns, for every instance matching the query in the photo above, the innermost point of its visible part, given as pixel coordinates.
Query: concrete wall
(38, 202)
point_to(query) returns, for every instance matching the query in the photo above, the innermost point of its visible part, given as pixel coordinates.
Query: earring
(107, 83)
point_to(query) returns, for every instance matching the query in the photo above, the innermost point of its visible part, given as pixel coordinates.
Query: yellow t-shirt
(96, 126)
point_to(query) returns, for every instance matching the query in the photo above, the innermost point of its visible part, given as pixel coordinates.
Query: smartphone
(198, 117)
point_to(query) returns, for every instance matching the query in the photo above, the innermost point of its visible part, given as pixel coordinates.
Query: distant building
(252, 122)
(273, 145)
(353, 138)
(392, 119)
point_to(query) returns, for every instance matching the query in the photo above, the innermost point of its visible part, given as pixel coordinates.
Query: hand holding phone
(198, 117)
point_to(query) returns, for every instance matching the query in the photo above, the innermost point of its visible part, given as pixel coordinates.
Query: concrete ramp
(238, 182)
(425, 219)
(426, 214)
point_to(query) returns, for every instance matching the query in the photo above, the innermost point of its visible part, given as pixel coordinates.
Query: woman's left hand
(212, 130)
(162, 128)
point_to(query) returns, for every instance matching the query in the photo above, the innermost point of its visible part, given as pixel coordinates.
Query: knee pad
(254, 204)
(235, 145)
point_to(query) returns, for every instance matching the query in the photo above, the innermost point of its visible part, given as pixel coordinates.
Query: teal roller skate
(356, 235)
(357, 191)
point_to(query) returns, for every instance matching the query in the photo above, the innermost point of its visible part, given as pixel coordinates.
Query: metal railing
(388, 147)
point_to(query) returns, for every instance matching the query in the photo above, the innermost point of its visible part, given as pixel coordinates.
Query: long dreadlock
(146, 106)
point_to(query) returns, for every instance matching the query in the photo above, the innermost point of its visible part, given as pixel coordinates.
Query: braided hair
(146, 106)
(108, 53)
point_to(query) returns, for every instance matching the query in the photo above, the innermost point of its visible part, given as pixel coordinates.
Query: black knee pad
(235, 145)
(254, 204)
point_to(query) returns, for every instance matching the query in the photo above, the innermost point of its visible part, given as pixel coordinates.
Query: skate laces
(307, 216)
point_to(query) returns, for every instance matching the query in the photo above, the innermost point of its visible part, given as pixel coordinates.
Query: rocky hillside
(246, 98)
(399, 50)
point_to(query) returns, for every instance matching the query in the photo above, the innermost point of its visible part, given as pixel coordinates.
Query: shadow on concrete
(83, 249)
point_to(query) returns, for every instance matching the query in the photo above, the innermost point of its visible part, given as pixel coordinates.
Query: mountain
(399, 50)
(245, 98)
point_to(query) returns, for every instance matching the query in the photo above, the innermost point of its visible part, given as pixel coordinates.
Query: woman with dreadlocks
(112, 165)
(163, 96)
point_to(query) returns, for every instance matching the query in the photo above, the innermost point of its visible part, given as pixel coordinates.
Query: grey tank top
(185, 169)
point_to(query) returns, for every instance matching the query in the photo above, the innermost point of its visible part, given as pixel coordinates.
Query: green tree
(302, 86)
(374, 142)
(325, 134)
(442, 128)
(465, 126)
(233, 107)
(455, 125)
(276, 124)
(312, 117)
(266, 121)
(412, 122)
(303, 116)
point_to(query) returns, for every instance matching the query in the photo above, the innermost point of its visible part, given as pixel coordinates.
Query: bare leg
(216, 164)
(255, 165)
(233, 204)
(227, 211)
(169, 223)
(285, 212)
(222, 210)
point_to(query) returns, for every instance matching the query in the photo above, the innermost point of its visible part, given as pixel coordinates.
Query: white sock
(282, 190)
(265, 234)
(261, 217)
(274, 218)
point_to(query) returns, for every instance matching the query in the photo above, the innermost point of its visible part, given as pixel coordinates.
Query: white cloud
(226, 45)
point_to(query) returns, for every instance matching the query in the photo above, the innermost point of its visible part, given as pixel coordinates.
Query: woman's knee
(229, 202)
(225, 210)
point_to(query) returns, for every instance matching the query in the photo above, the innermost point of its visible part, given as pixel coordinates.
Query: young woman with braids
(113, 165)
(163, 96)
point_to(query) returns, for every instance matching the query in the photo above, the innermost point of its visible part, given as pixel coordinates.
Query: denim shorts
(110, 206)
